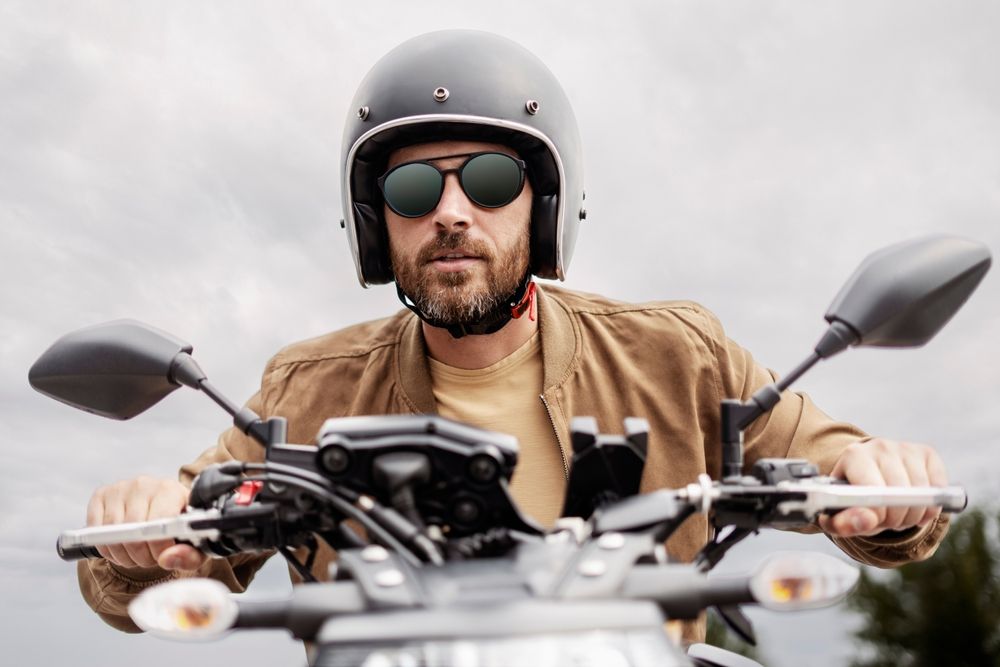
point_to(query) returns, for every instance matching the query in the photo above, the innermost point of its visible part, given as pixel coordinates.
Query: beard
(461, 297)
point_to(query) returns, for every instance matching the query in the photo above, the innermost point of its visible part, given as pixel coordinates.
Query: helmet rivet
(363, 113)
(531, 106)
(441, 93)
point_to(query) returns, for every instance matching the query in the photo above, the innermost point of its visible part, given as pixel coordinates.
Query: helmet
(463, 84)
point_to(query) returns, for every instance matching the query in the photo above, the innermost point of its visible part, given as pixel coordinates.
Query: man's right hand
(143, 499)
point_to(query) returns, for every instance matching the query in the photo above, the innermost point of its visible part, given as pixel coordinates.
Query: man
(462, 180)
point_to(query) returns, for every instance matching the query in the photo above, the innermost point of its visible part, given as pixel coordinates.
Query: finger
(889, 457)
(851, 522)
(915, 460)
(859, 466)
(95, 513)
(168, 502)
(113, 506)
(181, 557)
(113, 511)
(95, 508)
(936, 473)
(119, 555)
(936, 476)
(137, 509)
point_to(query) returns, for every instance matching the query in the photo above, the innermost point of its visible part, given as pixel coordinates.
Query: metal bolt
(335, 459)
(441, 94)
(592, 568)
(466, 511)
(611, 541)
(482, 468)
(389, 578)
(363, 113)
(531, 106)
(374, 553)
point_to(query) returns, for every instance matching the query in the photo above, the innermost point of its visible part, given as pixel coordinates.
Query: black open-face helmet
(471, 85)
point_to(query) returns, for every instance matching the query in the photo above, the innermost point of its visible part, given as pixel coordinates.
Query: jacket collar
(559, 349)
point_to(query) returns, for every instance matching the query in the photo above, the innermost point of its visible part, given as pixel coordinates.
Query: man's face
(460, 260)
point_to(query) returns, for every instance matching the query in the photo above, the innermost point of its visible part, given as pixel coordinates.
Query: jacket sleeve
(796, 428)
(109, 589)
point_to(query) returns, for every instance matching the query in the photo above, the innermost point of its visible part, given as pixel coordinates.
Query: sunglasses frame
(521, 164)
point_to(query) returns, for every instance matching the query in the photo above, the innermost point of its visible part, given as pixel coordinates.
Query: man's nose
(454, 210)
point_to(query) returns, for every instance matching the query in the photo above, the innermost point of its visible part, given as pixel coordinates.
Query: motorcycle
(436, 563)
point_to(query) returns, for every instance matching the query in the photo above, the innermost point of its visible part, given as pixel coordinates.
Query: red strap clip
(527, 303)
(247, 492)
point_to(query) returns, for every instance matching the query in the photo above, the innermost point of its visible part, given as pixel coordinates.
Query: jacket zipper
(562, 449)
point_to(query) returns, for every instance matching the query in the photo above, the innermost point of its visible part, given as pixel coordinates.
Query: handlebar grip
(189, 528)
(76, 552)
(954, 499)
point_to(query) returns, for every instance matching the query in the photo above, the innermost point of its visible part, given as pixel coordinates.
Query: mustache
(453, 241)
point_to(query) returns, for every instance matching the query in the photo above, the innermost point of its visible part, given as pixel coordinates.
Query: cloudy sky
(178, 163)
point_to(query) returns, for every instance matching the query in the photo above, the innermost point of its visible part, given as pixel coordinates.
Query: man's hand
(143, 499)
(881, 462)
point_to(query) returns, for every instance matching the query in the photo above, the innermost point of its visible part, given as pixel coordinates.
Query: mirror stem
(224, 403)
(185, 370)
(785, 382)
(272, 431)
(738, 415)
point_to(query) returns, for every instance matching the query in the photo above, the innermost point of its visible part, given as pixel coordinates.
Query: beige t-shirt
(506, 397)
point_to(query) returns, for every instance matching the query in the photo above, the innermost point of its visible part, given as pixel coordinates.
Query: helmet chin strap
(511, 307)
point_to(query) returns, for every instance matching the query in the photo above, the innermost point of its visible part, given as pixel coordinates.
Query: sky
(178, 163)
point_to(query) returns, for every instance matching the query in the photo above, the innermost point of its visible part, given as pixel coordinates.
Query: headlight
(646, 648)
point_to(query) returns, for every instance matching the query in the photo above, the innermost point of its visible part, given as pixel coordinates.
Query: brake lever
(194, 528)
(830, 496)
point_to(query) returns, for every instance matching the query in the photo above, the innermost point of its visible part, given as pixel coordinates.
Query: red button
(247, 491)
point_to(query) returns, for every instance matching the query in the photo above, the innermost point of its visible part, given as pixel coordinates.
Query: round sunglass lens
(412, 190)
(492, 179)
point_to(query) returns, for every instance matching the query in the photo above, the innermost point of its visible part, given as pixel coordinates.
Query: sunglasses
(490, 180)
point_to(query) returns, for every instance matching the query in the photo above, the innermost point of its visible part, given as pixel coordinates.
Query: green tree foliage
(943, 611)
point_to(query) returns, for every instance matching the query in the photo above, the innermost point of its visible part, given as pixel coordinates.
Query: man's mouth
(453, 256)
(454, 261)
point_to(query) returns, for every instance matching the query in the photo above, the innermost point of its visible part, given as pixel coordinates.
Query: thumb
(181, 557)
(851, 522)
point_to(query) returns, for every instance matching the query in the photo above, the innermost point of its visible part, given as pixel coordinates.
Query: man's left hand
(881, 462)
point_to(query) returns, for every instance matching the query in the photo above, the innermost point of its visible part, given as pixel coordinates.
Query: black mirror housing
(117, 369)
(902, 295)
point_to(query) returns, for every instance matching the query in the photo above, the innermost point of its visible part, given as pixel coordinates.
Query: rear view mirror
(902, 295)
(117, 370)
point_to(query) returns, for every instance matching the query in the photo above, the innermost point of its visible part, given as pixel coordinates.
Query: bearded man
(462, 179)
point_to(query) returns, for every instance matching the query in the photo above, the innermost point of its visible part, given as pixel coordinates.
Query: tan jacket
(667, 361)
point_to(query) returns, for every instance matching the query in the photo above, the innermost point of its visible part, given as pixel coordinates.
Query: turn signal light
(187, 609)
(802, 580)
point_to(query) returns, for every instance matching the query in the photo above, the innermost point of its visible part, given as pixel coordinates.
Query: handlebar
(193, 527)
(816, 495)
(745, 502)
